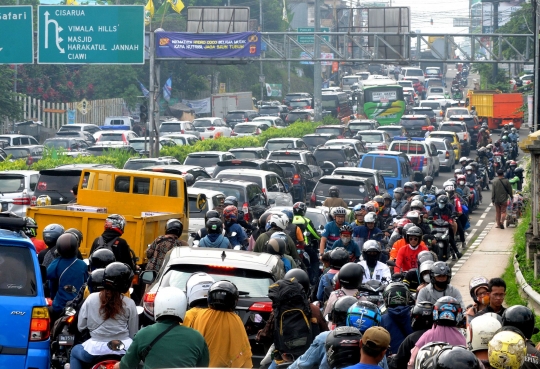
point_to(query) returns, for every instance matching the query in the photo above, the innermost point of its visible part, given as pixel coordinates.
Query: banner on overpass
(205, 45)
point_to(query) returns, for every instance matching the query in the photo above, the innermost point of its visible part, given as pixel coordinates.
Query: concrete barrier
(525, 290)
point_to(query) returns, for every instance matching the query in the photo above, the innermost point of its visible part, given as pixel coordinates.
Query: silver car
(447, 157)
(17, 190)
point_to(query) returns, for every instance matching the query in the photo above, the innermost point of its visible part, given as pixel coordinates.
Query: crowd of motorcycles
(460, 81)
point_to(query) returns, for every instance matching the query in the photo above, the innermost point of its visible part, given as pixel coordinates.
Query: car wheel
(437, 172)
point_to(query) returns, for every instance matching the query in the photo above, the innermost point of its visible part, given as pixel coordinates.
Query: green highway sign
(310, 39)
(17, 41)
(90, 34)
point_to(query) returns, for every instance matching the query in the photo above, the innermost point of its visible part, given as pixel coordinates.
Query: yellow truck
(146, 199)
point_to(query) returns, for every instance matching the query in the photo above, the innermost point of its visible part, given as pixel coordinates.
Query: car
(376, 69)
(422, 155)
(365, 74)
(32, 153)
(249, 129)
(335, 88)
(338, 156)
(375, 139)
(447, 157)
(362, 125)
(83, 135)
(406, 83)
(300, 104)
(435, 91)
(319, 216)
(84, 127)
(304, 115)
(280, 111)
(212, 127)
(101, 150)
(455, 111)
(433, 72)
(357, 145)
(353, 190)
(17, 140)
(271, 121)
(180, 169)
(416, 125)
(207, 159)
(25, 342)
(271, 184)
(430, 82)
(184, 139)
(296, 95)
(139, 163)
(119, 121)
(142, 145)
(426, 110)
(414, 98)
(17, 190)
(240, 116)
(451, 137)
(178, 126)
(473, 125)
(460, 128)
(341, 131)
(300, 177)
(284, 143)
(58, 182)
(313, 140)
(373, 174)
(66, 143)
(107, 137)
(438, 107)
(251, 199)
(302, 156)
(250, 152)
(412, 72)
(260, 164)
(394, 166)
(393, 130)
(214, 201)
(251, 272)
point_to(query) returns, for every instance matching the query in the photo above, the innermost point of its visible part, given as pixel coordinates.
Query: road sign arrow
(1, 48)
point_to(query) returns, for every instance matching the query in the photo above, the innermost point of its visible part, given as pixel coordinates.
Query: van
(337, 103)
(437, 106)
(412, 72)
(119, 121)
(348, 81)
(394, 166)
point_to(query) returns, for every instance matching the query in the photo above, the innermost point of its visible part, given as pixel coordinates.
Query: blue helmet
(447, 311)
(363, 315)
(288, 213)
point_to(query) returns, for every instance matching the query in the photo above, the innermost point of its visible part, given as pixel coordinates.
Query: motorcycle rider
(373, 268)
(444, 210)
(50, 236)
(479, 290)
(111, 239)
(276, 246)
(465, 190)
(278, 223)
(520, 319)
(483, 138)
(345, 241)
(519, 173)
(331, 229)
(360, 212)
(293, 230)
(190, 349)
(369, 231)
(440, 286)
(30, 230)
(350, 278)
(479, 333)
(397, 319)
(463, 161)
(505, 145)
(333, 200)
(511, 172)
(338, 258)
(233, 231)
(397, 233)
(428, 188)
(306, 225)
(158, 249)
(197, 287)
(232, 200)
(408, 188)
(398, 201)
(407, 255)
(470, 178)
(214, 235)
(203, 232)
(416, 218)
(386, 212)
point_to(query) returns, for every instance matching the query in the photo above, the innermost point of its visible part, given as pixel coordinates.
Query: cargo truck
(226, 102)
(496, 108)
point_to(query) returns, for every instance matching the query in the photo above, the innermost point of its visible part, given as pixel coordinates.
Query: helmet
(439, 193)
(263, 219)
(67, 245)
(211, 214)
(372, 206)
(427, 355)
(440, 268)
(333, 191)
(413, 216)
(425, 267)
(408, 185)
(447, 311)
(451, 357)
(214, 225)
(428, 179)
(339, 311)
(484, 125)
(371, 246)
(504, 138)
(339, 210)
(346, 229)
(276, 246)
(338, 257)
(424, 256)
(342, 347)
(51, 234)
(449, 188)
(513, 130)
(174, 226)
(512, 163)
(406, 228)
(299, 208)
(197, 287)
(288, 213)
(223, 295)
(475, 283)
(386, 196)
(370, 218)
(230, 213)
(363, 315)
(461, 177)
(299, 276)
(518, 170)
(30, 227)
(77, 234)
(359, 207)
(350, 276)
(463, 159)
(170, 301)
(379, 199)
(398, 190)
(101, 258)
(422, 315)
(418, 198)
(403, 222)
(43, 200)
(189, 179)
(521, 317)
(458, 172)
(95, 282)
(443, 199)
(480, 331)
(278, 220)
(230, 200)
(507, 350)
(468, 168)
(396, 294)
(117, 277)
(417, 204)
(115, 222)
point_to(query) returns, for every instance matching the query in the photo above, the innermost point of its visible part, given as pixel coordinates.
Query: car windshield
(405, 83)
(69, 127)
(445, 136)
(139, 145)
(278, 145)
(314, 141)
(360, 126)
(317, 218)
(252, 282)
(347, 189)
(331, 130)
(246, 154)
(372, 137)
(57, 144)
(392, 131)
(269, 110)
(458, 128)
(18, 277)
(10, 183)
(432, 71)
(468, 121)
(202, 160)
(16, 152)
(329, 155)
(413, 123)
(287, 155)
(245, 128)
(408, 148)
(293, 117)
(202, 123)
(415, 72)
(436, 90)
(432, 105)
(458, 111)
(111, 137)
(299, 104)
(243, 177)
(235, 116)
(439, 145)
(228, 189)
(139, 164)
(386, 165)
(169, 127)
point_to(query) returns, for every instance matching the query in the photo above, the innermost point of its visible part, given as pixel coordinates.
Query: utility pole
(261, 73)
(152, 97)
(317, 83)
(495, 27)
(536, 109)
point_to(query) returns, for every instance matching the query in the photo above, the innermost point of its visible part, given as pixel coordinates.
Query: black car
(426, 110)
(250, 152)
(296, 95)
(314, 140)
(332, 157)
(101, 150)
(83, 135)
(32, 153)
(301, 178)
(353, 190)
(274, 110)
(416, 125)
(261, 164)
(240, 116)
(362, 125)
(66, 143)
(341, 131)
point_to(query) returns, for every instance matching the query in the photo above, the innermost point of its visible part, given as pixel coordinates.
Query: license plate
(498, 159)
(440, 229)
(66, 339)
(5, 206)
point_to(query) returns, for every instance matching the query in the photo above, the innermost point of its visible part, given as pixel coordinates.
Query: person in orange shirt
(402, 242)
(31, 231)
(407, 255)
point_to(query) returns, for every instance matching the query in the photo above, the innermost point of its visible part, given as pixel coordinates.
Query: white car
(249, 129)
(208, 159)
(112, 137)
(356, 144)
(214, 199)
(212, 127)
(182, 139)
(17, 189)
(275, 122)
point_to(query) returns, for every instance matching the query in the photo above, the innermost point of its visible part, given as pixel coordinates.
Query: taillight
(40, 324)
(447, 155)
(377, 189)
(211, 128)
(313, 199)
(33, 201)
(261, 307)
(29, 160)
(381, 147)
(123, 139)
(42, 186)
(148, 302)
(465, 135)
(296, 179)
(346, 164)
(70, 319)
(182, 131)
(107, 364)
(245, 209)
(246, 120)
(233, 133)
(441, 113)
(25, 200)
(425, 161)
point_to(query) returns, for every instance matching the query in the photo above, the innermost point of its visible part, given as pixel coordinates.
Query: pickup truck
(422, 155)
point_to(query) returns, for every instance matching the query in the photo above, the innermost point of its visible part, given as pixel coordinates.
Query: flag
(176, 5)
(143, 89)
(284, 16)
(148, 12)
(72, 2)
(167, 89)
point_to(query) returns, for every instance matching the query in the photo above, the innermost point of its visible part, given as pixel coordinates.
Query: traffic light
(143, 109)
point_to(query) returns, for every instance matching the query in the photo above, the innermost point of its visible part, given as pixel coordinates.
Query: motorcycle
(63, 338)
(430, 201)
(372, 290)
(474, 201)
(514, 150)
(441, 234)
(497, 161)
(108, 361)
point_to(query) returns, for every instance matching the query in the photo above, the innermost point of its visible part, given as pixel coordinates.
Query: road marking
(483, 215)
(470, 236)
(479, 223)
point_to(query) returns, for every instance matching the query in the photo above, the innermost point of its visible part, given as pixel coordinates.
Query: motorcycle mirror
(140, 310)
(69, 311)
(115, 345)
(195, 243)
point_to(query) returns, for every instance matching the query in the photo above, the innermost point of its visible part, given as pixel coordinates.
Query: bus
(382, 100)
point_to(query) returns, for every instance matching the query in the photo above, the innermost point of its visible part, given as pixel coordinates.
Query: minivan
(394, 166)
(337, 103)
(412, 72)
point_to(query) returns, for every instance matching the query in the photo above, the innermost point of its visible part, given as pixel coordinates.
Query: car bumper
(447, 163)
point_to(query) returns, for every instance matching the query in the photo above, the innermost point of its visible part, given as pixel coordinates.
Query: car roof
(80, 125)
(253, 172)
(300, 151)
(464, 116)
(21, 147)
(372, 131)
(436, 139)
(207, 153)
(25, 172)
(319, 135)
(266, 117)
(385, 152)
(239, 182)
(15, 135)
(64, 138)
(116, 131)
(179, 167)
(343, 177)
(382, 128)
(359, 170)
(344, 140)
(332, 126)
(246, 148)
(444, 132)
(284, 139)
(207, 192)
(421, 116)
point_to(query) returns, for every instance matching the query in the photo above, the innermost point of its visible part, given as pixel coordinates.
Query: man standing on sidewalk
(500, 192)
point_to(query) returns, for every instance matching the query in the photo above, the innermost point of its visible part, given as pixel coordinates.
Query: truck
(226, 102)
(496, 108)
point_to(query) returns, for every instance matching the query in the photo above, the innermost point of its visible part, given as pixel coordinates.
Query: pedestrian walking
(500, 192)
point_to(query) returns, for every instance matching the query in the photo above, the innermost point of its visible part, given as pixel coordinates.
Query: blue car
(394, 166)
(24, 315)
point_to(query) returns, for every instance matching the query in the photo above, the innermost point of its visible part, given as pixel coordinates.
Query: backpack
(293, 333)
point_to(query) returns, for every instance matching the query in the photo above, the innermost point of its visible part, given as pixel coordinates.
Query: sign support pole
(317, 83)
(152, 91)
(157, 66)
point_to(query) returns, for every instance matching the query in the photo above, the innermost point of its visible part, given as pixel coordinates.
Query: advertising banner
(199, 106)
(205, 45)
(273, 89)
(304, 55)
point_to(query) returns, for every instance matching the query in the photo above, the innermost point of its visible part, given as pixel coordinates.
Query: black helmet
(424, 256)
(338, 257)
(447, 311)
(333, 191)
(350, 276)
(214, 225)
(67, 245)
(342, 347)
(230, 200)
(456, 357)
(276, 246)
(413, 231)
(263, 219)
(440, 192)
(189, 179)
(338, 315)
(396, 294)
(443, 199)
(77, 234)
(299, 276)
(428, 179)
(117, 277)
(101, 258)
(422, 315)
(95, 282)
(299, 208)
(223, 295)
(521, 317)
(174, 226)
(211, 214)
(51, 234)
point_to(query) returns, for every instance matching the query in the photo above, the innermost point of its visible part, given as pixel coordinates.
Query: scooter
(63, 338)
(372, 290)
(430, 201)
(483, 175)
(108, 361)
(441, 234)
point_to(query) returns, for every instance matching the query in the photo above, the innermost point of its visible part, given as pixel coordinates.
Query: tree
(9, 107)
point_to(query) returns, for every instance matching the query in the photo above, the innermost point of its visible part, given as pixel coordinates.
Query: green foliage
(8, 106)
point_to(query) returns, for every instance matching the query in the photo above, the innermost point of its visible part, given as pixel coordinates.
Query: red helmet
(402, 222)
(116, 222)
(461, 177)
(230, 212)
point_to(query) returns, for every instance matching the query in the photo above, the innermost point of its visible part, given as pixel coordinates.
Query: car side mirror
(148, 276)
(316, 174)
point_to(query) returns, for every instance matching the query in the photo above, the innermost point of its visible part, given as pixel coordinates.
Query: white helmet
(197, 287)
(370, 218)
(449, 188)
(279, 220)
(170, 301)
(481, 330)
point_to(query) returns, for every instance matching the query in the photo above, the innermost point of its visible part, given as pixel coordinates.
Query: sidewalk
(488, 256)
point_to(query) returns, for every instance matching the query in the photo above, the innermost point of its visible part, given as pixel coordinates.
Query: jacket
(407, 258)
(62, 273)
(158, 249)
(380, 272)
(334, 202)
(429, 294)
(264, 237)
(239, 237)
(397, 321)
(120, 247)
(501, 190)
(305, 224)
(215, 240)
(398, 206)
(404, 352)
